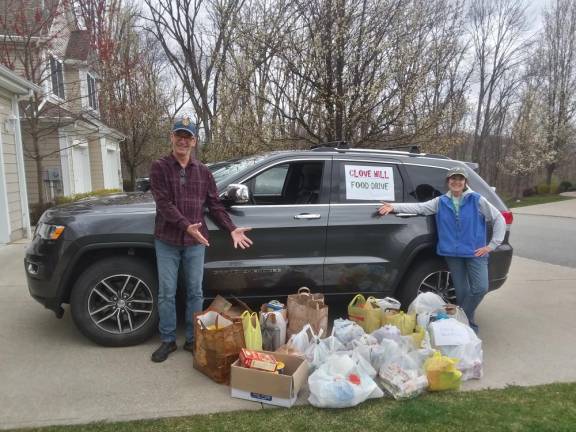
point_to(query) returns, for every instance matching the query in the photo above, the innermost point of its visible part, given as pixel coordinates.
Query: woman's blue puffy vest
(460, 236)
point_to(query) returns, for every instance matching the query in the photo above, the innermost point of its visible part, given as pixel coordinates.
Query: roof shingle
(78, 46)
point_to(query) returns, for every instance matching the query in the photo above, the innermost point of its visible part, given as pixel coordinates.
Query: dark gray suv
(315, 223)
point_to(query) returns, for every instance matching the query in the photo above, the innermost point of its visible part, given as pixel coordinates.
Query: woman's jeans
(168, 260)
(470, 277)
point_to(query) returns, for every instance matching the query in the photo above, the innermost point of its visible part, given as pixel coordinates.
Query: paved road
(550, 239)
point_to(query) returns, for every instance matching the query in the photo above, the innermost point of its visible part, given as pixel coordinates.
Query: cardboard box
(232, 307)
(267, 387)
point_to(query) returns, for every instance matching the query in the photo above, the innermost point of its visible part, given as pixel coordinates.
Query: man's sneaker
(163, 351)
(189, 346)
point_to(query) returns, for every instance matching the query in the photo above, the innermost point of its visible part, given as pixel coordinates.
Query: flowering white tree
(528, 150)
(556, 57)
(498, 29)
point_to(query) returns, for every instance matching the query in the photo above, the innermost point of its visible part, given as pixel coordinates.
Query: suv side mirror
(236, 193)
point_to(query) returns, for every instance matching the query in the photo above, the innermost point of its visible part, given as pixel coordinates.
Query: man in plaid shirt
(182, 187)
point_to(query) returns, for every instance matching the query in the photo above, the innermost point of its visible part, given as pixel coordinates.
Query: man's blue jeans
(168, 260)
(470, 277)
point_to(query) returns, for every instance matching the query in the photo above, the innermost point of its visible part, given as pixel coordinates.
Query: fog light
(32, 268)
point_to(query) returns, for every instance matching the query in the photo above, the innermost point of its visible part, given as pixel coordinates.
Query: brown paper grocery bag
(218, 341)
(306, 308)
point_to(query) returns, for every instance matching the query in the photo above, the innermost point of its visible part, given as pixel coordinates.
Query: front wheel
(114, 302)
(431, 275)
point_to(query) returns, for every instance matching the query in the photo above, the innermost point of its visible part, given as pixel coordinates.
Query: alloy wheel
(120, 304)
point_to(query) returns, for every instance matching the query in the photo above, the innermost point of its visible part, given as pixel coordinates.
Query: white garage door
(112, 179)
(81, 167)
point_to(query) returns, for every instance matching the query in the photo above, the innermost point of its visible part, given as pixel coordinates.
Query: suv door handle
(307, 216)
(405, 215)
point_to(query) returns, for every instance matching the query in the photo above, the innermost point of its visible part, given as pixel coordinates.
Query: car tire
(114, 301)
(429, 275)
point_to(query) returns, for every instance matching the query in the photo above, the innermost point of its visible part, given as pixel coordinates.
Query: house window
(57, 75)
(92, 96)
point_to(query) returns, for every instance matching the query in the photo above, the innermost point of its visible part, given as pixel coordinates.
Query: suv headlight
(49, 232)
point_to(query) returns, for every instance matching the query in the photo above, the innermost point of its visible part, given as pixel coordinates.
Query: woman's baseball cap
(457, 171)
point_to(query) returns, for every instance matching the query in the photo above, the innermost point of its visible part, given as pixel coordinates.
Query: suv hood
(132, 202)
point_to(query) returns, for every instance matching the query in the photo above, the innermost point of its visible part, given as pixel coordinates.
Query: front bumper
(40, 263)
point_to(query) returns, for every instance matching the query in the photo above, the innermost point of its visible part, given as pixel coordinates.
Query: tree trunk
(550, 168)
(132, 177)
(518, 187)
(39, 178)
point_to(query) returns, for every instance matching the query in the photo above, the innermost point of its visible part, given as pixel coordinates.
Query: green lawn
(535, 199)
(539, 408)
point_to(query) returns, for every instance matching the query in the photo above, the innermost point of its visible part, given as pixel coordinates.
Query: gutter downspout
(21, 168)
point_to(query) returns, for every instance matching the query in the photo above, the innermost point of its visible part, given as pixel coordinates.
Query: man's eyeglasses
(182, 177)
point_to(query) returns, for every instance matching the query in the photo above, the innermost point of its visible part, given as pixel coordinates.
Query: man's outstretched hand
(194, 231)
(239, 238)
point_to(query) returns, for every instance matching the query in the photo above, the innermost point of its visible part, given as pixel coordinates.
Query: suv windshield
(223, 173)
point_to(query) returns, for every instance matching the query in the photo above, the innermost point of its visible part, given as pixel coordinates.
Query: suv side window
(427, 182)
(290, 183)
(271, 182)
(364, 182)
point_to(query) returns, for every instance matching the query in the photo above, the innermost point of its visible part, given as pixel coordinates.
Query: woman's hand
(385, 208)
(483, 251)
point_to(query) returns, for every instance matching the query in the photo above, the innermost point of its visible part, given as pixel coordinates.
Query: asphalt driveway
(50, 374)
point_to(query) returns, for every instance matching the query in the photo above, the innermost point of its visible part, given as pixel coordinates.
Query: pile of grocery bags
(377, 350)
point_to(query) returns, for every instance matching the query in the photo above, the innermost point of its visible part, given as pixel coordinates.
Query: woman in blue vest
(461, 217)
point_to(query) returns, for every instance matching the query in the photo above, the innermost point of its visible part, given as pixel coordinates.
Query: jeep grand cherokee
(315, 223)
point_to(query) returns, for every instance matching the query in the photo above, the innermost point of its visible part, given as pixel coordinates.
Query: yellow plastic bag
(418, 336)
(442, 373)
(252, 333)
(405, 322)
(366, 313)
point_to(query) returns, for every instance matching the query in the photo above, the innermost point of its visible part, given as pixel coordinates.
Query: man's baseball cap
(184, 124)
(457, 171)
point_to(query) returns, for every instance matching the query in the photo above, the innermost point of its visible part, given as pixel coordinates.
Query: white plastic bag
(388, 331)
(388, 351)
(346, 331)
(419, 356)
(401, 373)
(363, 364)
(320, 349)
(448, 331)
(389, 303)
(423, 319)
(469, 354)
(402, 383)
(426, 302)
(365, 339)
(456, 312)
(300, 341)
(212, 319)
(340, 383)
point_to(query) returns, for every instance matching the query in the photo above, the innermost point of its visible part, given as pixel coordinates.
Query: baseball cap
(457, 171)
(184, 124)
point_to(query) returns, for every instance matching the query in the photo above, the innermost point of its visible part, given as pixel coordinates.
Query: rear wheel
(431, 275)
(114, 302)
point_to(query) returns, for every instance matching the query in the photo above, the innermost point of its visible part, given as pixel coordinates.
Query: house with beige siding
(67, 147)
(14, 216)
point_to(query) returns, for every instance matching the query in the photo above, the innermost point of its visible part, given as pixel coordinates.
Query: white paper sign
(449, 332)
(369, 183)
